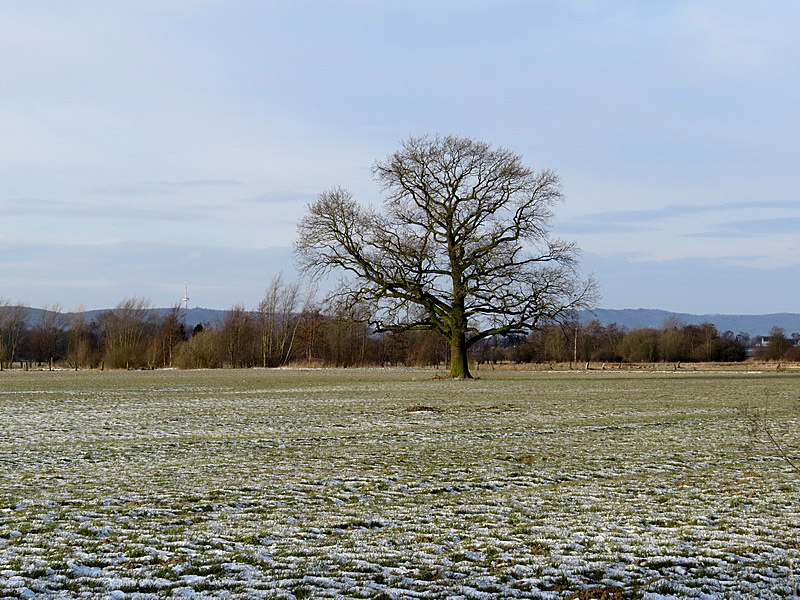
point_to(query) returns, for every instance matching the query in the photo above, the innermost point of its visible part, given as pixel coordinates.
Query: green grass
(325, 482)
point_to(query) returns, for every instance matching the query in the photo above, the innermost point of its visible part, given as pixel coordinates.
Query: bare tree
(345, 336)
(279, 317)
(126, 331)
(169, 332)
(762, 430)
(81, 339)
(237, 337)
(12, 327)
(461, 246)
(47, 335)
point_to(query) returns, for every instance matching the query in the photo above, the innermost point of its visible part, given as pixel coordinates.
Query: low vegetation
(391, 484)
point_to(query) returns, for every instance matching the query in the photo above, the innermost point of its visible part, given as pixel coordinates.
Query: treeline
(674, 342)
(594, 342)
(287, 327)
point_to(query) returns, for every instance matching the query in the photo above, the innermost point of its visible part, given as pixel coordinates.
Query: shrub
(200, 352)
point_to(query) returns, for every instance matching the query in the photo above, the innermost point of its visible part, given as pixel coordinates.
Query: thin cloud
(752, 228)
(145, 253)
(65, 209)
(682, 210)
(146, 188)
(589, 228)
(27, 206)
(281, 198)
(116, 270)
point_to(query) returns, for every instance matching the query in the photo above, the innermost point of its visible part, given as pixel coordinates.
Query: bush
(641, 345)
(200, 352)
(125, 357)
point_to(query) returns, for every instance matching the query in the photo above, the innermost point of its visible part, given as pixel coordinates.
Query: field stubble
(389, 484)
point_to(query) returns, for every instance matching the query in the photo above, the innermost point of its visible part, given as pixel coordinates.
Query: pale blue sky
(146, 143)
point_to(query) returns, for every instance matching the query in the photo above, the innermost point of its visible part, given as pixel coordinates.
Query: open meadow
(392, 484)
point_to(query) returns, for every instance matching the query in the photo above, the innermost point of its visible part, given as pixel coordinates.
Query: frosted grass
(323, 484)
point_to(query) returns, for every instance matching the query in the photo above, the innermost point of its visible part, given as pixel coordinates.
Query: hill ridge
(631, 318)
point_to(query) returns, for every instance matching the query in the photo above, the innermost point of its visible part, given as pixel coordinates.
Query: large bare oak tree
(461, 246)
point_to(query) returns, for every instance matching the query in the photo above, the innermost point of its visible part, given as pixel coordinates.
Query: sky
(146, 144)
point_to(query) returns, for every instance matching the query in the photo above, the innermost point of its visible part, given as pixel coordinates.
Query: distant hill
(191, 316)
(753, 325)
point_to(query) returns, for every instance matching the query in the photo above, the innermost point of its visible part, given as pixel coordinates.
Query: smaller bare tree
(12, 327)
(237, 337)
(762, 430)
(169, 332)
(126, 330)
(47, 334)
(82, 337)
(279, 317)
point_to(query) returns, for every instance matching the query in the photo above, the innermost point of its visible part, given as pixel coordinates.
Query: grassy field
(390, 484)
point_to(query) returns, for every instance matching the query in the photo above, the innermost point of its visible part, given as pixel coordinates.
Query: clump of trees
(779, 347)
(682, 343)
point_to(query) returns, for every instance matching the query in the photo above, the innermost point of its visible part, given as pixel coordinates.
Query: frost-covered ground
(321, 484)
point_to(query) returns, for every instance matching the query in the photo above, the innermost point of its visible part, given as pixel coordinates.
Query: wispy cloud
(150, 188)
(27, 206)
(675, 211)
(65, 209)
(286, 197)
(105, 273)
(752, 228)
(600, 228)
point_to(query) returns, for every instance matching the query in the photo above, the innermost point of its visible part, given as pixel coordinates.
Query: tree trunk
(459, 366)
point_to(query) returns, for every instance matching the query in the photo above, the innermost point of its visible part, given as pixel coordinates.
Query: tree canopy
(461, 245)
